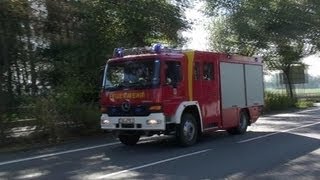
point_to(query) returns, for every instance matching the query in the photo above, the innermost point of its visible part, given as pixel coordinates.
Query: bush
(48, 119)
(86, 117)
(4, 127)
(59, 118)
(275, 101)
(302, 104)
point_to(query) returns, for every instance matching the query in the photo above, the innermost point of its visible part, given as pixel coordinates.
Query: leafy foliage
(281, 31)
(274, 101)
(53, 51)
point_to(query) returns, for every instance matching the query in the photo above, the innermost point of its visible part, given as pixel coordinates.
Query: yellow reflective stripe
(190, 59)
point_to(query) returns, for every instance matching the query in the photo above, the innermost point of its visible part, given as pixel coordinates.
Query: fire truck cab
(181, 93)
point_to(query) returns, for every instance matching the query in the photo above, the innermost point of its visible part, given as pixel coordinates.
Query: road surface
(279, 146)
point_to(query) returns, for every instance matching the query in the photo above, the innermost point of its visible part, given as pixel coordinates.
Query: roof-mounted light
(118, 52)
(157, 48)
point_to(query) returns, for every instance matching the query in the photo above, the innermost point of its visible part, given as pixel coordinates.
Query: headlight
(153, 121)
(105, 121)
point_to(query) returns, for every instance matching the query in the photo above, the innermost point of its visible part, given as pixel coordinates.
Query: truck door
(205, 90)
(209, 95)
(173, 85)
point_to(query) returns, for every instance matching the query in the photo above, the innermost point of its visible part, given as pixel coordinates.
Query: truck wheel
(187, 132)
(129, 139)
(242, 126)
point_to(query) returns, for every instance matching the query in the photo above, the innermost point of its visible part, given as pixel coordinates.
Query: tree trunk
(289, 84)
(6, 61)
(24, 73)
(31, 58)
(18, 74)
(3, 56)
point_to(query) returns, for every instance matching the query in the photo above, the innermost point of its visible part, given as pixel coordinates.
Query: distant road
(279, 146)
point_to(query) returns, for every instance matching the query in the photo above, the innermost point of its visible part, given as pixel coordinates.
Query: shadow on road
(226, 159)
(273, 154)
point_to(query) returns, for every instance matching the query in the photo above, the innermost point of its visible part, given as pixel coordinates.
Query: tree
(52, 52)
(46, 44)
(224, 38)
(281, 31)
(283, 57)
(82, 34)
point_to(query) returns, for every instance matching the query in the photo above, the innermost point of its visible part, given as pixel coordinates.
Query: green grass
(298, 91)
(303, 104)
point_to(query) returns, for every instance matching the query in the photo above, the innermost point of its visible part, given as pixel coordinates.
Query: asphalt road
(279, 146)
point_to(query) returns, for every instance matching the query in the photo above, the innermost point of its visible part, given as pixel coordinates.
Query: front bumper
(140, 122)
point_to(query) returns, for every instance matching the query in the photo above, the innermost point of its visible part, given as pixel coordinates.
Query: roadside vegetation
(282, 32)
(52, 53)
(52, 56)
(280, 102)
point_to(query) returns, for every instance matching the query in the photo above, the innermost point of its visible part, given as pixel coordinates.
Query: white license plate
(126, 120)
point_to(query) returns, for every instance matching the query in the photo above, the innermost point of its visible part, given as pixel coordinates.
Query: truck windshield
(132, 74)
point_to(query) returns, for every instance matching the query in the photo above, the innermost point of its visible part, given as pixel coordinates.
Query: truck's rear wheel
(129, 139)
(187, 131)
(242, 126)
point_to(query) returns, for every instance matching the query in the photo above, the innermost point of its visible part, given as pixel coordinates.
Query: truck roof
(142, 53)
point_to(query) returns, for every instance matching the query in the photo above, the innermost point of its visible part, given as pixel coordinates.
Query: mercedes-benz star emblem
(125, 106)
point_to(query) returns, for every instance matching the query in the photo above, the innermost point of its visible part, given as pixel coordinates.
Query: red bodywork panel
(149, 96)
(172, 97)
(207, 92)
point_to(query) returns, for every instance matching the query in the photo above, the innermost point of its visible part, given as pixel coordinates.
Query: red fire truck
(181, 93)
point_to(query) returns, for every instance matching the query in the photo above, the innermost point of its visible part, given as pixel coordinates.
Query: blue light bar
(118, 52)
(157, 48)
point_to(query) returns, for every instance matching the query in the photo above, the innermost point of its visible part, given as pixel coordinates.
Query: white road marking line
(283, 131)
(57, 153)
(152, 164)
(309, 110)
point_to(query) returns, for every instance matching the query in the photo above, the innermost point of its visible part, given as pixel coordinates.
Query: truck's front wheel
(187, 131)
(129, 139)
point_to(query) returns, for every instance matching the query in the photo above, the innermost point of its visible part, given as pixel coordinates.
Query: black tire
(129, 139)
(232, 131)
(242, 126)
(187, 132)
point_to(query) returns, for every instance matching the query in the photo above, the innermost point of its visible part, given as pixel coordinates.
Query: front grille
(127, 125)
(134, 111)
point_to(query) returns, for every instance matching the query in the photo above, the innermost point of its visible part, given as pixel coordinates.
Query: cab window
(172, 72)
(196, 72)
(207, 71)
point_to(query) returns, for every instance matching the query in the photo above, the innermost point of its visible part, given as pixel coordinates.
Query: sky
(313, 63)
(198, 37)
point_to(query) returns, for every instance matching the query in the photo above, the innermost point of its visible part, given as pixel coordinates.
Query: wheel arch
(191, 107)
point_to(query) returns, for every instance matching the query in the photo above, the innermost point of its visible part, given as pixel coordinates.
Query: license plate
(126, 120)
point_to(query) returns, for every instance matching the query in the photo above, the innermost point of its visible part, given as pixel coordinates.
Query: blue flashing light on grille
(113, 110)
(139, 109)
